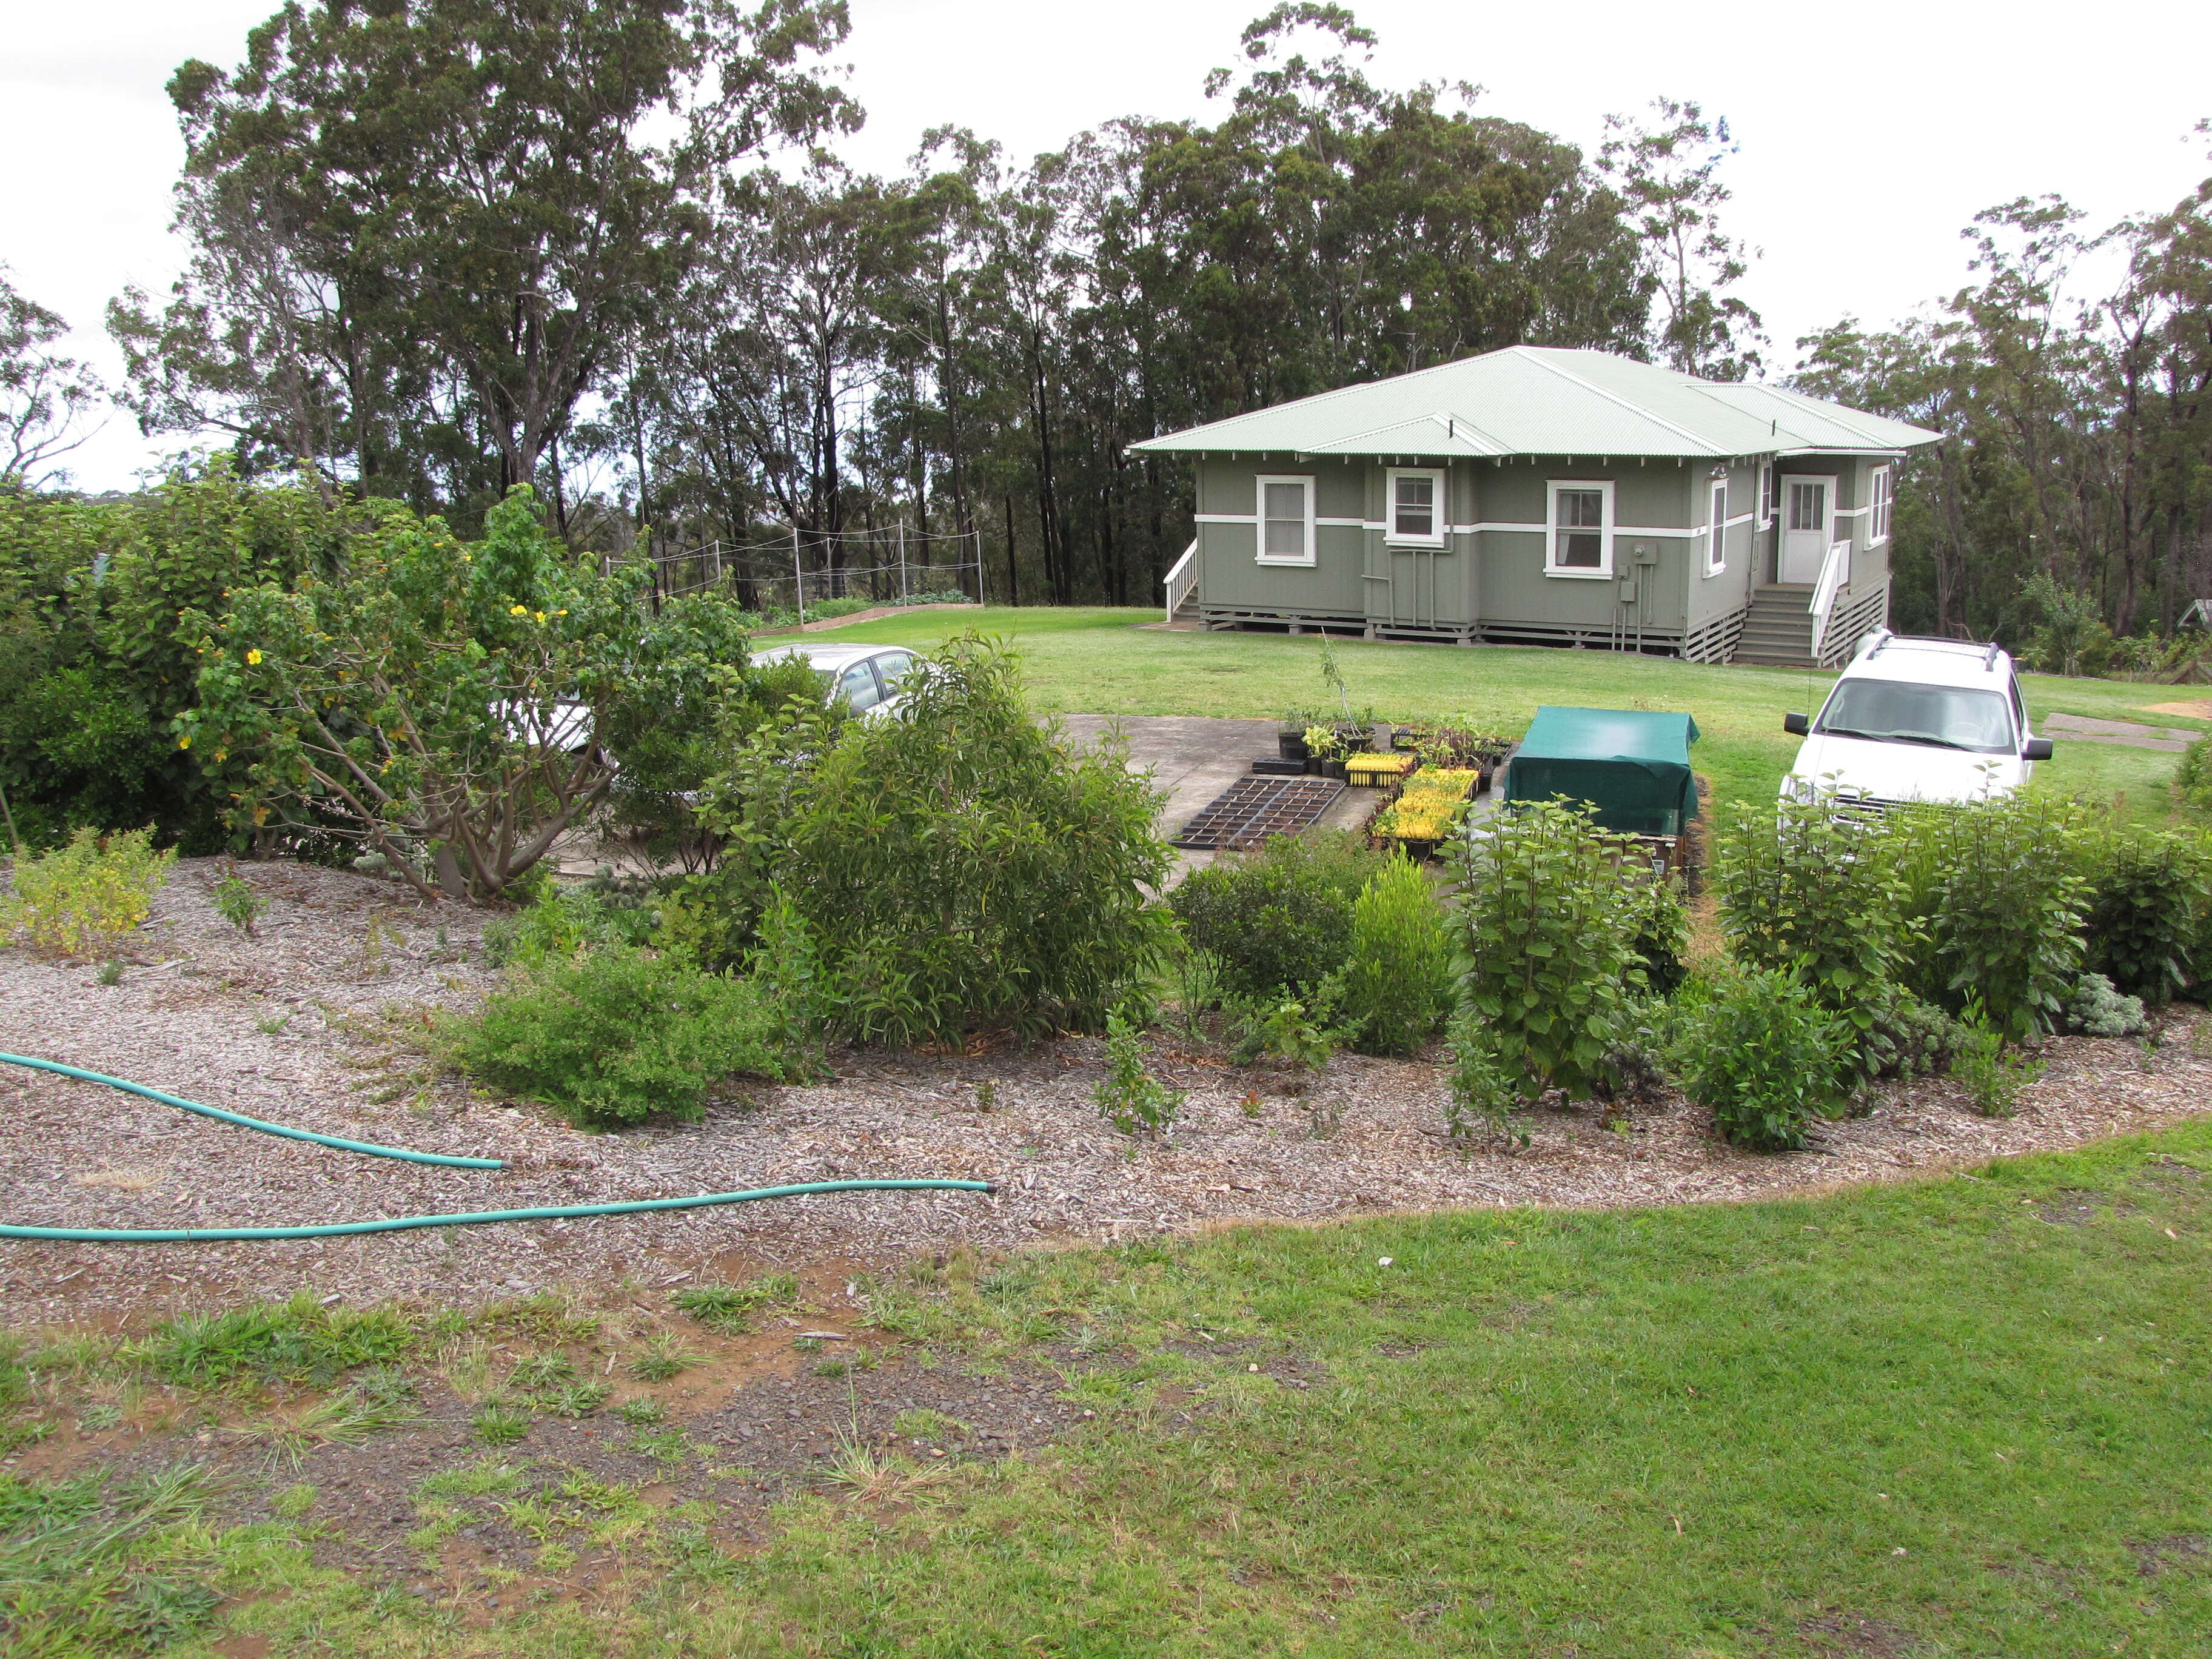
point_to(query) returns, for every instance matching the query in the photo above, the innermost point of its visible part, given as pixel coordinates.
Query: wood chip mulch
(310, 1024)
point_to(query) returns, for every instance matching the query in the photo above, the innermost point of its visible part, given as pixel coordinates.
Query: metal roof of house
(1543, 400)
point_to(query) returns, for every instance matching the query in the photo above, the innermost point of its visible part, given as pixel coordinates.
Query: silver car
(868, 677)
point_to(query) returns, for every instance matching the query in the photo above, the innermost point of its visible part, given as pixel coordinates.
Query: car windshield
(1939, 716)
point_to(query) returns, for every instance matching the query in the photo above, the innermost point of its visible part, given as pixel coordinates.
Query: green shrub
(431, 698)
(1897, 1034)
(1805, 889)
(81, 898)
(1284, 1033)
(1545, 926)
(91, 669)
(1756, 1047)
(1128, 1096)
(237, 903)
(957, 864)
(563, 921)
(2192, 779)
(2148, 890)
(1994, 891)
(2098, 1008)
(1991, 1070)
(1660, 931)
(1278, 920)
(619, 1034)
(1397, 985)
(1484, 1091)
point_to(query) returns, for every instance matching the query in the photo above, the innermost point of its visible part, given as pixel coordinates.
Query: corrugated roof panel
(1536, 400)
(1431, 435)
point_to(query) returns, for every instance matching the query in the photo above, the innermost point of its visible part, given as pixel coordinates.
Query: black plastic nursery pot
(1291, 744)
(1333, 767)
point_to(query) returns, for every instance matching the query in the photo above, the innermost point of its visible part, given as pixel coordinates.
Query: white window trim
(1881, 505)
(1717, 527)
(1766, 509)
(1552, 567)
(1437, 515)
(1304, 481)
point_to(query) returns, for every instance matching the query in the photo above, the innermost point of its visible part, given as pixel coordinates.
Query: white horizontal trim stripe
(1740, 518)
(1852, 511)
(1481, 529)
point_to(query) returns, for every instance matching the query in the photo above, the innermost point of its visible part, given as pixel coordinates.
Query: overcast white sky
(1871, 133)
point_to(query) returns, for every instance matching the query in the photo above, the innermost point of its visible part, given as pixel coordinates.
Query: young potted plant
(1323, 752)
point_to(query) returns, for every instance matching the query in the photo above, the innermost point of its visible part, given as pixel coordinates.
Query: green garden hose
(217, 1112)
(400, 1223)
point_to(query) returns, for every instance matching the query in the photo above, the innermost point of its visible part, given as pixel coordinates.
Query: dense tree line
(444, 247)
(2069, 507)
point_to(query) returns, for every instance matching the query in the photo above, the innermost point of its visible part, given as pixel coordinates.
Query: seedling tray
(1254, 808)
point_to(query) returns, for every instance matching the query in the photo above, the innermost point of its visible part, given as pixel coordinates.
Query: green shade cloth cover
(1634, 767)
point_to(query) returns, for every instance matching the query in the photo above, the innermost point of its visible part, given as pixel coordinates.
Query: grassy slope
(1923, 1419)
(1095, 661)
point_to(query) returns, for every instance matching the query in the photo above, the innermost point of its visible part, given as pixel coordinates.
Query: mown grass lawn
(1098, 661)
(1966, 1416)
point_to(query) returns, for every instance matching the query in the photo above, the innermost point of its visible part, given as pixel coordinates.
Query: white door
(1806, 503)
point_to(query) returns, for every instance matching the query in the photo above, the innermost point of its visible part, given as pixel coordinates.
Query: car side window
(891, 667)
(2019, 715)
(857, 685)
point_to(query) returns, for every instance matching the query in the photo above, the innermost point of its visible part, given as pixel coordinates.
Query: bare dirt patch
(317, 1022)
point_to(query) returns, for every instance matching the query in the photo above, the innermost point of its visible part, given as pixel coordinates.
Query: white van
(1915, 720)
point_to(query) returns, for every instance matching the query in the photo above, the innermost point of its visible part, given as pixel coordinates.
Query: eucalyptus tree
(1669, 173)
(45, 397)
(443, 219)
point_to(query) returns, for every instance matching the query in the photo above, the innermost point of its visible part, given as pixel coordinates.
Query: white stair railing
(1823, 606)
(1183, 579)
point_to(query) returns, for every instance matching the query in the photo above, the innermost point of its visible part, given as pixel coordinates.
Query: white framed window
(1286, 519)
(1415, 507)
(1878, 499)
(1765, 493)
(1578, 528)
(1716, 530)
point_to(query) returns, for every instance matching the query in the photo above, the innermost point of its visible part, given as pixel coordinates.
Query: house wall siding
(1493, 583)
(1514, 589)
(1711, 598)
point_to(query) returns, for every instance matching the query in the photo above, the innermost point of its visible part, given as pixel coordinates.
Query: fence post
(798, 577)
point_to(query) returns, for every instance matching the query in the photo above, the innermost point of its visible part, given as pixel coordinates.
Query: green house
(1538, 496)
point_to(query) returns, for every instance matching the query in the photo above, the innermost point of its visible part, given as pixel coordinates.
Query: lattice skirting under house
(1710, 642)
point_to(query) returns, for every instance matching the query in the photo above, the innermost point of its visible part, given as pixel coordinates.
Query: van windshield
(1939, 716)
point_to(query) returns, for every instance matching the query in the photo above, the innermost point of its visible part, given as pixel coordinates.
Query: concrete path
(1194, 758)
(2083, 728)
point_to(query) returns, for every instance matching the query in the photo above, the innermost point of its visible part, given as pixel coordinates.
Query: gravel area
(310, 1023)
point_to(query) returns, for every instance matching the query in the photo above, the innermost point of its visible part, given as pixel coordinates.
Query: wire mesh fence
(893, 566)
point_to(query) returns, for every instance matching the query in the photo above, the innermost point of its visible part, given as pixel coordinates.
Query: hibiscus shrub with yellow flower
(445, 703)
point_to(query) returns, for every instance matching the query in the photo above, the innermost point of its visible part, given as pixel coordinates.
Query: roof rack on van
(1989, 661)
(1882, 636)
